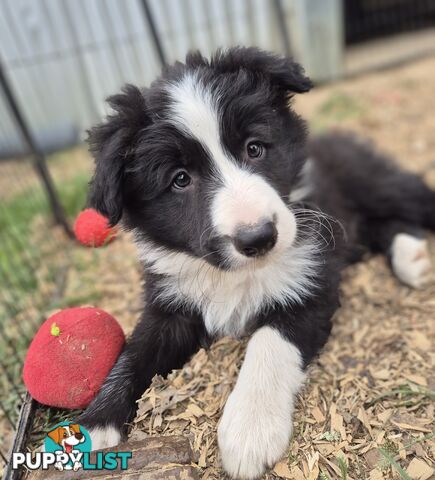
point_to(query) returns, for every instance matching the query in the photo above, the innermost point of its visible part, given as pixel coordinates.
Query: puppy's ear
(282, 71)
(56, 435)
(111, 143)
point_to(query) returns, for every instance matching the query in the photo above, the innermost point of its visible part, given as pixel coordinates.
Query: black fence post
(39, 160)
(154, 34)
(282, 25)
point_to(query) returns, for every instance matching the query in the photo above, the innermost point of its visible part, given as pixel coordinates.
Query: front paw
(77, 466)
(104, 436)
(252, 436)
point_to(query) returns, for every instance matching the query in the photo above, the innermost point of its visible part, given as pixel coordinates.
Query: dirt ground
(367, 409)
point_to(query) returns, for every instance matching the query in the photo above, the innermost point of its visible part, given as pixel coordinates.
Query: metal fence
(65, 57)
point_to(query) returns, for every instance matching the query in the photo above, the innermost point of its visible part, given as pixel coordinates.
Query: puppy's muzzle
(256, 240)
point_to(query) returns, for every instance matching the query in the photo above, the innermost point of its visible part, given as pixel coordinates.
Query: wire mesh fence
(369, 19)
(33, 258)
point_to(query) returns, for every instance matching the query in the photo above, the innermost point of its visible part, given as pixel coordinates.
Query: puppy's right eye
(181, 180)
(255, 149)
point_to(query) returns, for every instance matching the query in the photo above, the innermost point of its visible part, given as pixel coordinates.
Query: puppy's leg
(161, 342)
(256, 425)
(406, 249)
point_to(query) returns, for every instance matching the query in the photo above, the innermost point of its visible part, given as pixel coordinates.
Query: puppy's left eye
(181, 180)
(255, 149)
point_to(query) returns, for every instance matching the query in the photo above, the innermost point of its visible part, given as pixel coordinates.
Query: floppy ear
(282, 71)
(111, 145)
(56, 435)
(74, 427)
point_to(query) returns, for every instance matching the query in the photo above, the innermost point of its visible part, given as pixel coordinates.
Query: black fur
(137, 152)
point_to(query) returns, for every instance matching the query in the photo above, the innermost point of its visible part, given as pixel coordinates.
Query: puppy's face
(69, 435)
(203, 162)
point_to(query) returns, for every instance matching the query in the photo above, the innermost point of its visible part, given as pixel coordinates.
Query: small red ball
(92, 229)
(71, 355)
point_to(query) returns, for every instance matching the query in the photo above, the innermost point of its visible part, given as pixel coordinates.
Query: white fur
(229, 298)
(256, 426)
(104, 437)
(304, 186)
(246, 199)
(410, 260)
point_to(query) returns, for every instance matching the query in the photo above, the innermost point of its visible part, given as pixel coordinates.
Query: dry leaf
(282, 470)
(419, 470)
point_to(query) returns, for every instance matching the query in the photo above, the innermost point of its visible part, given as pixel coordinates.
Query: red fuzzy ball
(71, 355)
(92, 229)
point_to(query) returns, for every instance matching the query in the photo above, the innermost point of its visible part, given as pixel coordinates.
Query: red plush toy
(92, 229)
(71, 355)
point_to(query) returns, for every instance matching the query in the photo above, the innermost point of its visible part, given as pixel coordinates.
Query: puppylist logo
(68, 447)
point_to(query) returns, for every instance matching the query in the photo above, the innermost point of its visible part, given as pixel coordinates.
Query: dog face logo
(67, 437)
(69, 441)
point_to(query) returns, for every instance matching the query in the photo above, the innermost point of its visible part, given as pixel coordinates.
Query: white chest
(227, 300)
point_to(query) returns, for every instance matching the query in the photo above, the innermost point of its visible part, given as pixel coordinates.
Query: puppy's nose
(79, 435)
(256, 240)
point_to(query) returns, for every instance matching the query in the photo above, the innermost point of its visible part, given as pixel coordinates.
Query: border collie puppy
(243, 227)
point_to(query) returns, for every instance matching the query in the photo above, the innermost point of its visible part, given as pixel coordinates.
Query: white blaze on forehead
(194, 111)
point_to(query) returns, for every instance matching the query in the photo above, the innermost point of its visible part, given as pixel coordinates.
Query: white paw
(104, 437)
(410, 260)
(252, 437)
(77, 466)
(59, 466)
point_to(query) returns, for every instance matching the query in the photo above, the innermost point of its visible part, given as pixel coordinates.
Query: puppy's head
(67, 435)
(204, 160)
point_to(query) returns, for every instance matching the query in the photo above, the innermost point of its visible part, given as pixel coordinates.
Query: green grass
(389, 451)
(344, 470)
(407, 395)
(20, 255)
(389, 460)
(337, 108)
(25, 287)
(17, 251)
(73, 194)
(324, 476)
(21, 209)
(342, 465)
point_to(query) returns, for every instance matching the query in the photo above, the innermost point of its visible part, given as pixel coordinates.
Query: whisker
(321, 218)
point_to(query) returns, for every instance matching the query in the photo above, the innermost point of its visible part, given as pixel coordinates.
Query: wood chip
(419, 470)
(282, 470)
